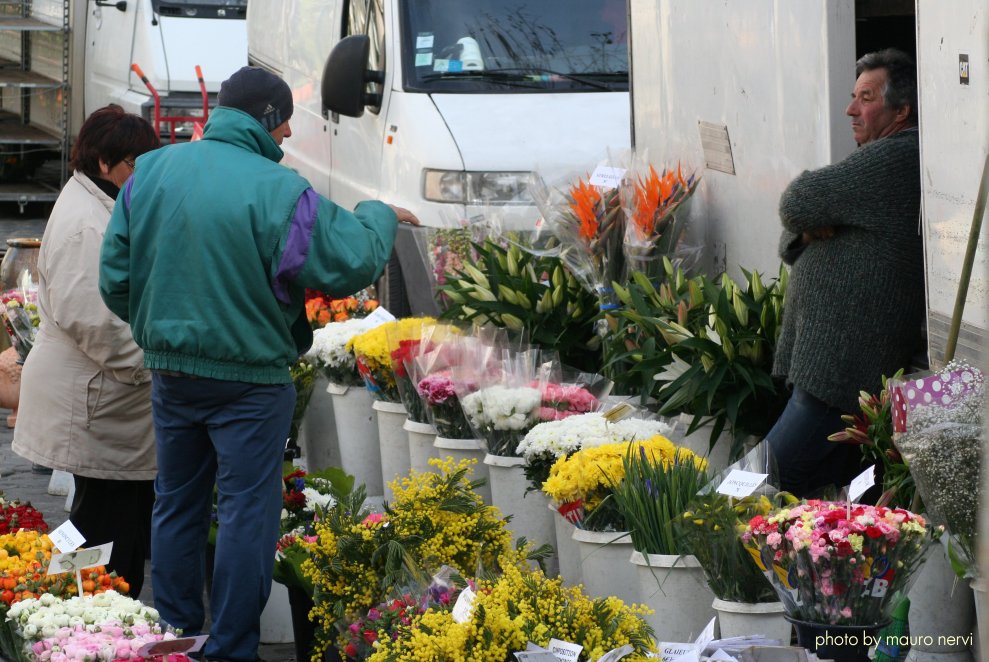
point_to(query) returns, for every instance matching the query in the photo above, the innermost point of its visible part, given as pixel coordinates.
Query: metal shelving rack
(20, 87)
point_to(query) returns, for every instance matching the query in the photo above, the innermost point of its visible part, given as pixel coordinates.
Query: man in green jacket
(207, 255)
(855, 303)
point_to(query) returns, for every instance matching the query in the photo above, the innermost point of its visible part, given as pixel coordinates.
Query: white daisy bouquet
(330, 355)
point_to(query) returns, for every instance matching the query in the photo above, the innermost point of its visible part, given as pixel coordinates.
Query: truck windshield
(494, 45)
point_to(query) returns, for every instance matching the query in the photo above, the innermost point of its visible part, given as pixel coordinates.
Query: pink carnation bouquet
(835, 563)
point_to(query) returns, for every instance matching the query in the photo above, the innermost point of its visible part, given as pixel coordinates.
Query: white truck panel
(954, 129)
(777, 75)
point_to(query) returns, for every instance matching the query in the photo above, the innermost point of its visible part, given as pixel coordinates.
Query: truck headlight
(476, 188)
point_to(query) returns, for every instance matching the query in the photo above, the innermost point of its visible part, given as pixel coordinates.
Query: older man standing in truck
(855, 303)
(207, 256)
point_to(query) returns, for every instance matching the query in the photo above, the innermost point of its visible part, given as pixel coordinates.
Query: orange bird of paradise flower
(585, 199)
(652, 193)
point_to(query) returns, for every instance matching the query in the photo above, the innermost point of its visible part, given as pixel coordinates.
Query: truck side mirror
(346, 74)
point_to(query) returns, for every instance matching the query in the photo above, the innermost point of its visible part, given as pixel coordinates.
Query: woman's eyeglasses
(129, 163)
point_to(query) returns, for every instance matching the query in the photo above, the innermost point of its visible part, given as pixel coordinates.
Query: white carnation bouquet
(501, 415)
(39, 618)
(329, 351)
(545, 443)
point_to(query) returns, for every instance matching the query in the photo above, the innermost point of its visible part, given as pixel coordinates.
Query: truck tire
(391, 289)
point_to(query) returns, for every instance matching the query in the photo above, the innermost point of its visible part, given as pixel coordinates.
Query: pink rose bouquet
(835, 563)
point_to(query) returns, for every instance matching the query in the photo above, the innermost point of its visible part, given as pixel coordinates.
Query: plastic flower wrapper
(584, 226)
(450, 370)
(507, 402)
(408, 344)
(713, 522)
(582, 485)
(547, 442)
(937, 427)
(304, 379)
(19, 311)
(568, 392)
(373, 353)
(329, 353)
(451, 247)
(322, 309)
(837, 563)
(655, 222)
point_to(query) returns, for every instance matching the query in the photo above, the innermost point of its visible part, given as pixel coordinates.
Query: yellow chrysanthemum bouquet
(583, 484)
(436, 519)
(519, 607)
(373, 351)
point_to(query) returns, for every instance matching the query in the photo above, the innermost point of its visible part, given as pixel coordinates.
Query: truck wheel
(391, 289)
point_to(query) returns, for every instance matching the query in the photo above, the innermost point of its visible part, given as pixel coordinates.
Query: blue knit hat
(259, 93)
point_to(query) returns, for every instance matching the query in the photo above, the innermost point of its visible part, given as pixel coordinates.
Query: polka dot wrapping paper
(944, 388)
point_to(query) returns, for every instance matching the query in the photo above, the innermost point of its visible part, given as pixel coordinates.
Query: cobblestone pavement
(17, 480)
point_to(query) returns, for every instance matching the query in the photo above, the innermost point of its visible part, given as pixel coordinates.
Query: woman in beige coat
(85, 395)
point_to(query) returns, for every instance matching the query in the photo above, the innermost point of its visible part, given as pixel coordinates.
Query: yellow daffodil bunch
(588, 474)
(373, 351)
(518, 607)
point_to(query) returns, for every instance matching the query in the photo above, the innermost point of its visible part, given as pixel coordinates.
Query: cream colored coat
(85, 396)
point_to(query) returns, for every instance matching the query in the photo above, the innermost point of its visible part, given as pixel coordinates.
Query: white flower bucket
(467, 449)
(700, 443)
(357, 436)
(530, 512)
(737, 619)
(604, 566)
(421, 449)
(318, 436)
(567, 549)
(675, 589)
(942, 610)
(393, 441)
(276, 619)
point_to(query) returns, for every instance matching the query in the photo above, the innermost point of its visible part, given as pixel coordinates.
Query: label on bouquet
(173, 646)
(616, 654)
(564, 650)
(464, 606)
(535, 656)
(80, 559)
(861, 484)
(607, 176)
(740, 483)
(721, 656)
(706, 636)
(67, 537)
(378, 317)
(673, 652)
(618, 412)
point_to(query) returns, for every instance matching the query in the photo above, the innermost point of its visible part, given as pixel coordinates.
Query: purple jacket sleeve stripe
(296, 245)
(127, 187)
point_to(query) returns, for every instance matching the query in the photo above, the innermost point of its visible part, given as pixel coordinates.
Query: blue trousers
(231, 434)
(808, 462)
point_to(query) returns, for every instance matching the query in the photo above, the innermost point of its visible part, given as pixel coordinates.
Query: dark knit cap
(259, 93)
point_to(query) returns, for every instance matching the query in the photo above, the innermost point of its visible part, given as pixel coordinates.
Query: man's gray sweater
(855, 303)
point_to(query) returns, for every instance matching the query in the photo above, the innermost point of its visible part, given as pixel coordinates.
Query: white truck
(444, 106)
(757, 92)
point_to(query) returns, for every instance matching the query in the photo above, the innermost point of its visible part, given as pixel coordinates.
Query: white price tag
(672, 652)
(80, 559)
(173, 646)
(378, 317)
(535, 656)
(564, 650)
(67, 537)
(616, 654)
(464, 606)
(861, 484)
(618, 412)
(706, 636)
(740, 483)
(607, 176)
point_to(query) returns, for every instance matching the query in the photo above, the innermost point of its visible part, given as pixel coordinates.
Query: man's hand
(404, 215)
(817, 234)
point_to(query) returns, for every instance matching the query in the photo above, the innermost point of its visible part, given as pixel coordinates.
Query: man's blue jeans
(231, 434)
(807, 461)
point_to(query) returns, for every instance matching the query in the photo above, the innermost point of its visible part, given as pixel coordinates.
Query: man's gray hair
(901, 78)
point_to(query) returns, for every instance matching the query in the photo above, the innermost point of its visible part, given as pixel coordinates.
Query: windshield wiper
(486, 74)
(573, 77)
(514, 75)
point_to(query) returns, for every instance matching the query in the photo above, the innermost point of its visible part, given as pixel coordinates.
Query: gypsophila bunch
(581, 482)
(109, 642)
(545, 443)
(330, 355)
(518, 607)
(836, 563)
(502, 415)
(436, 519)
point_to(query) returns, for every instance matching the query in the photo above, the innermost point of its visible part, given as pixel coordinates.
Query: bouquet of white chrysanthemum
(547, 442)
(330, 355)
